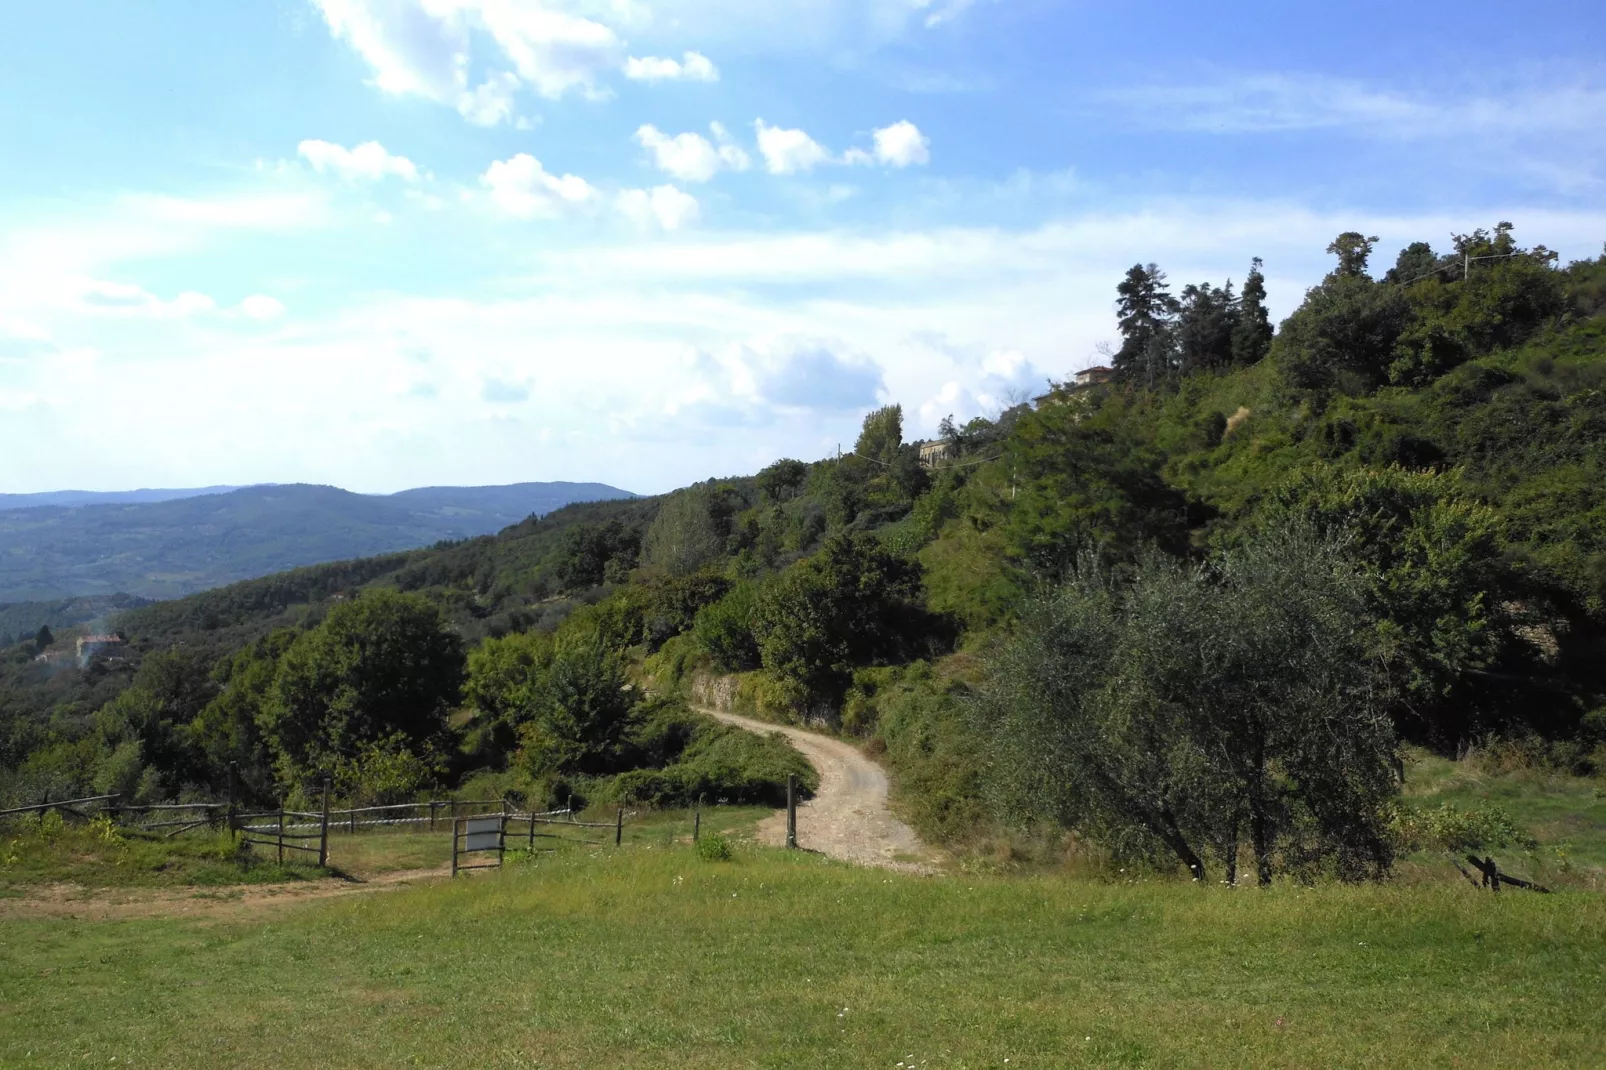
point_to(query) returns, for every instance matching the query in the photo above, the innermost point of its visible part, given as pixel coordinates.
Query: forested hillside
(1190, 613)
(168, 547)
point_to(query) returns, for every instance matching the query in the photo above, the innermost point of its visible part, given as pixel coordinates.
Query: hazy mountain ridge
(75, 498)
(169, 548)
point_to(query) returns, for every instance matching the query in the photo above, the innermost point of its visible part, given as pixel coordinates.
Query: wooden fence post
(455, 825)
(353, 816)
(697, 820)
(234, 788)
(619, 828)
(281, 834)
(44, 807)
(532, 830)
(432, 805)
(323, 833)
(791, 810)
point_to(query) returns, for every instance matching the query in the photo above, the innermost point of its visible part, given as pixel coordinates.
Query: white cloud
(552, 51)
(691, 157)
(424, 47)
(521, 187)
(261, 307)
(692, 67)
(668, 207)
(368, 161)
(418, 48)
(788, 152)
(902, 144)
(120, 298)
(1279, 102)
(492, 103)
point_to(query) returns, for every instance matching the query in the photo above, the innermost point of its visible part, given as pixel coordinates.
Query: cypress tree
(1251, 337)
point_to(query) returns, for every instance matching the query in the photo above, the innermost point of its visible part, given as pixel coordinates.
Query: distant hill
(165, 549)
(71, 498)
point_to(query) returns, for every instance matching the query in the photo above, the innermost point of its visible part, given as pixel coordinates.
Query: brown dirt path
(848, 817)
(101, 904)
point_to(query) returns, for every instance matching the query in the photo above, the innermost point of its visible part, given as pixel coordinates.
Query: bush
(725, 630)
(1447, 828)
(714, 849)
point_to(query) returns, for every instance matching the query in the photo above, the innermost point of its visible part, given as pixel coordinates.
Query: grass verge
(656, 958)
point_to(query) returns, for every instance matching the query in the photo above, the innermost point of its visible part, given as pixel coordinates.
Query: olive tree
(1196, 711)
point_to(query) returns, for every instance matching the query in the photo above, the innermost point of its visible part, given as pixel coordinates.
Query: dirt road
(848, 817)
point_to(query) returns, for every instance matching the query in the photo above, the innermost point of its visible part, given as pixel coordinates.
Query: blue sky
(392, 243)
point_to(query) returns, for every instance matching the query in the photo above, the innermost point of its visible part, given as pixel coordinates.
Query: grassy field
(650, 957)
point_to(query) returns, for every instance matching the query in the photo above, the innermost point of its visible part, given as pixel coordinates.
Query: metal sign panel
(483, 834)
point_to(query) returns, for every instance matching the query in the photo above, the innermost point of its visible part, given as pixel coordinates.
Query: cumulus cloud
(787, 152)
(750, 382)
(901, 145)
(491, 104)
(692, 67)
(261, 307)
(424, 48)
(368, 161)
(691, 157)
(665, 206)
(791, 151)
(521, 187)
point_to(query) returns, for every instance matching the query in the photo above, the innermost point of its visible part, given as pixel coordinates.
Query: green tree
(852, 603)
(881, 435)
(1353, 250)
(593, 554)
(780, 481)
(1206, 319)
(583, 714)
(725, 630)
(686, 534)
(1416, 262)
(44, 638)
(380, 666)
(1146, 310)
(507, 683)
(1344, 334)
(1200, 710)
(1430, 562)
(1251, 337)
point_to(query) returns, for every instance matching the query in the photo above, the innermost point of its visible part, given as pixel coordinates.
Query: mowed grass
(648, 957)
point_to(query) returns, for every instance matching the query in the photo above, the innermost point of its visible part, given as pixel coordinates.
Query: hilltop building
(935, 454)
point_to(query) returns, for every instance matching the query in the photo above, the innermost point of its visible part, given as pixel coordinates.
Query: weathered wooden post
(697, 820)
(353, 812)
(44, 807)
(456, 831)
(281, 834)
(619, 828)
(791, 810)
(323, 833)
(234, 789)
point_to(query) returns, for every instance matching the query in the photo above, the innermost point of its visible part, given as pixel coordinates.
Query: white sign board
(483, 834)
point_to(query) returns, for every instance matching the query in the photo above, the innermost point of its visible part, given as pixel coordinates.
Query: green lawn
(649, 957)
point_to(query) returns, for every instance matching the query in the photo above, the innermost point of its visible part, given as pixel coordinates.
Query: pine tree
(1251, 337)
(1146, 307)
(1205, 327)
